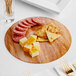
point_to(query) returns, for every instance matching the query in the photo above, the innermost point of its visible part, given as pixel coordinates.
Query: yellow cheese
(31, 39)
(36, 45)
(27, 48)
(35, 49)
(34, 52)
(22, 41)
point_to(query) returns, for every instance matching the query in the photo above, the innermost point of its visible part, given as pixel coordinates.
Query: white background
(10, 66)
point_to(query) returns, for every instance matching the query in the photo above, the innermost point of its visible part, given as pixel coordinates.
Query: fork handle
(72, 74)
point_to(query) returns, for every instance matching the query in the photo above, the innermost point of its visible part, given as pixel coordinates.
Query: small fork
(67, 69)
(74, 65)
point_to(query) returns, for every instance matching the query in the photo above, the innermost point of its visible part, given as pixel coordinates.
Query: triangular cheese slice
(52, 36)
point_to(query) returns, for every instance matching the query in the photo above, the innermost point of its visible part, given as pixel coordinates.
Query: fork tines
(66, 67)
(74, 65)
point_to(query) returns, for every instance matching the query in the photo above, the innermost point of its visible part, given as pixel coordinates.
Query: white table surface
(10, 66)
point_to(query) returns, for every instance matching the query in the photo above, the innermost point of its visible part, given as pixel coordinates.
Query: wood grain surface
(48, 52)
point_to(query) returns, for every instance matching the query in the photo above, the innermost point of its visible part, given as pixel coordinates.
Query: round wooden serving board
(48, 52)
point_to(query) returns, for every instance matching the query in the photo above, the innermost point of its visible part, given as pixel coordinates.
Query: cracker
(52, 36)
(42, 32)
(49, 27)
(42, 39)
(52, 28)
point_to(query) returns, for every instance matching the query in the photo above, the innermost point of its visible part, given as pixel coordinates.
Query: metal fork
(67, 69)
(74, 65)
(27, 73)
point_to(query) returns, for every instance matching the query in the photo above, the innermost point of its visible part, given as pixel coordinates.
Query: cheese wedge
(35, 49)
(27, 48)
(42, 39)
(52, 36)
(31, 39)
(22, 41)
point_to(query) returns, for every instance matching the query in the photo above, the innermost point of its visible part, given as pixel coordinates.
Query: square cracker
(42, 32)
(52, 28)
